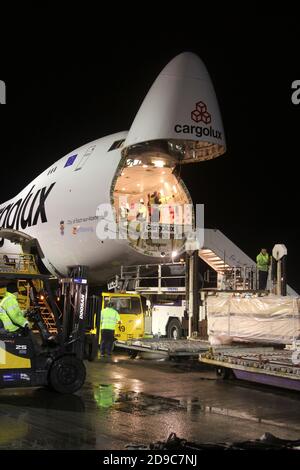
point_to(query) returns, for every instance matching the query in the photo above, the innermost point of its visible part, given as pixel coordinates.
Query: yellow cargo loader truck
(131, 311)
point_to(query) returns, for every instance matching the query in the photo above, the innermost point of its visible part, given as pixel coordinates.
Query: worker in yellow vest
(109, 319)
(154, 206)
(263, 262)
(11, 316)
(142, 211)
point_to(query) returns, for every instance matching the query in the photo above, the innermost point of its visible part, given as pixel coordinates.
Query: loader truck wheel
(223, 373)
(67, 374)
(132, 353)
(174, 329)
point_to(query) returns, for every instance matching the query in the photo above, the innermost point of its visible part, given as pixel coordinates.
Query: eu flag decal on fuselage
(70, 160)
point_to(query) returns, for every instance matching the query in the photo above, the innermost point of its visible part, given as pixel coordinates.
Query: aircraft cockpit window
(116, 145)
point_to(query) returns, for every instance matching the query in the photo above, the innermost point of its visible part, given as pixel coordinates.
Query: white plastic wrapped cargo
(270, 319)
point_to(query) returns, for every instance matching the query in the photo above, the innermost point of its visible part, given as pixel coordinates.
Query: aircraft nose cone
(181, 106)
(186, 65)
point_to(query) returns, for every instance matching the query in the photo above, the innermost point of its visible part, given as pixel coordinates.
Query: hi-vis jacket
(109, 318)
(10, 313)
(262, 262)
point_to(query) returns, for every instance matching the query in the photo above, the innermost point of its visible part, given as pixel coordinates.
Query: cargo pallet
(164, 347)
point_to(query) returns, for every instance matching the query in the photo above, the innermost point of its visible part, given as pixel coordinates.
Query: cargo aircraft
(84, 209)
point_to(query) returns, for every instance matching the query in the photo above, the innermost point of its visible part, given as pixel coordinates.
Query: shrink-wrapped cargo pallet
(269, 319)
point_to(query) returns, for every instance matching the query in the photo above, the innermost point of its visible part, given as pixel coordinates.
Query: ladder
(24, 301)
(47, 315)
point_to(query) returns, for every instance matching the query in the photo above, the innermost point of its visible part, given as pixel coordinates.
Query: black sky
(64, 90)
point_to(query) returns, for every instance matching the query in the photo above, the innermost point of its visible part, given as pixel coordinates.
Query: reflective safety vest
(142, 211)
(262, 262)
(105, 396)
(109, 318)
(10, 313)
(123, 212)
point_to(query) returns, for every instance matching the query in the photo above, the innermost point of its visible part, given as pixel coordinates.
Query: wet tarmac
(139, 401)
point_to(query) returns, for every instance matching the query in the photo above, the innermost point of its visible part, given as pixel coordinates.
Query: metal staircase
(214, 261)
(235, 269)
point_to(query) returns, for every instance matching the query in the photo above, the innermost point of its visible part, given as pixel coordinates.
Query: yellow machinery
(130, 308)
(24, 264)
(129, 305)
(44, 359)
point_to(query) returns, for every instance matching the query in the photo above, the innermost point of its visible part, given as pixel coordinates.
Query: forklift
(49, 357)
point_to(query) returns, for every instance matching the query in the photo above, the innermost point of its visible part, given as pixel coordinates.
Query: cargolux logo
(26, 211)
(200, 114)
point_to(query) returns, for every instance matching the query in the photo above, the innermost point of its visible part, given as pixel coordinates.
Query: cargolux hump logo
(200, 114)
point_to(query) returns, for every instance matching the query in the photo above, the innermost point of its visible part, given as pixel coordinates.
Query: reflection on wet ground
(137, 402)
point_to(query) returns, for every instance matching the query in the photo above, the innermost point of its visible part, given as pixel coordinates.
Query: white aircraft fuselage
(178, 123)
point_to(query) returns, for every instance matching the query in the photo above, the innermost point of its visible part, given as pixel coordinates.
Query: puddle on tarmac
(128, 401)
(143, 404)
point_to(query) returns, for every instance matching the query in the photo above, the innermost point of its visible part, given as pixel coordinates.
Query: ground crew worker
(154, 203)
(263, 261)
(109, 318)
(154, 198)
(142, 211)
(124, 211)
(11, 316)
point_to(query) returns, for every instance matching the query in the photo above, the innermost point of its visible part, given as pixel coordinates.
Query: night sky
(64, 90)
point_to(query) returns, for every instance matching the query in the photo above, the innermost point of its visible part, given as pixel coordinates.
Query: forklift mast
(74, 292)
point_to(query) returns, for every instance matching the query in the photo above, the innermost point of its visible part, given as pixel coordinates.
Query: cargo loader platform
(264, 365)
(164, 347)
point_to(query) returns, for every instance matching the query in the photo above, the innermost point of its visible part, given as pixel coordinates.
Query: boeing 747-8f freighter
(79, 210)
